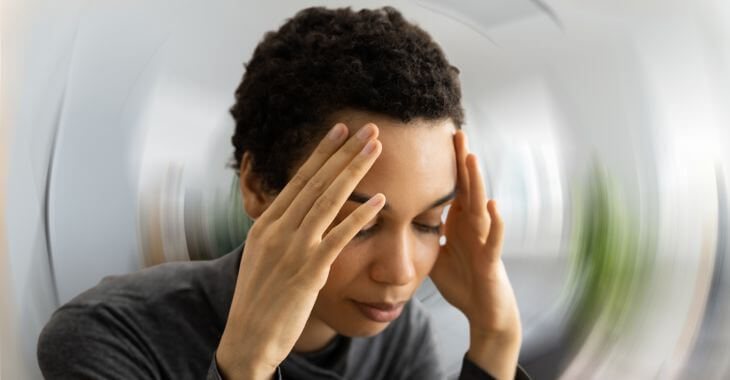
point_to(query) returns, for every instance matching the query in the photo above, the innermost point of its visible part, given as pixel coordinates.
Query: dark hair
(323, 61)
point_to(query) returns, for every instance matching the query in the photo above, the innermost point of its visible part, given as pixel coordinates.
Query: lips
(380, 311)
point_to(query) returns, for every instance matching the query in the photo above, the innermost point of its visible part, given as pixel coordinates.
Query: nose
(393, 264)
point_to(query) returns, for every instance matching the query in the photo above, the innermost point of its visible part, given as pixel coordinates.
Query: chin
(362, 328)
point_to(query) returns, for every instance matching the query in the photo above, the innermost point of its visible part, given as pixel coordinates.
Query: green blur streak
(609, 270)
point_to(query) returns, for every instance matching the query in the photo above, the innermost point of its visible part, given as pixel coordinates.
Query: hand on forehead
(417, 166)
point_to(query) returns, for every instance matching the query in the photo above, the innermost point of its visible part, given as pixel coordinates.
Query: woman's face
(394, 252)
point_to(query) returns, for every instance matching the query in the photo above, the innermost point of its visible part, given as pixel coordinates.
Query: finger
(327, 146)
(460, 145)
(321, 180)
(328, 205)
(477, 191)
(496, 233)
(338, 237)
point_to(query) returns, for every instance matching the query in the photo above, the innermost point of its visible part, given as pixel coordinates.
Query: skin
(419, 164)
(393, 259)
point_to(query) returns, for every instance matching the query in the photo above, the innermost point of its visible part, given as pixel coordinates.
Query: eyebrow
(362, 198)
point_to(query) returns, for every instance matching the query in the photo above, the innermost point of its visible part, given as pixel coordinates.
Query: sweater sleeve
(214, 374)
(471, 371)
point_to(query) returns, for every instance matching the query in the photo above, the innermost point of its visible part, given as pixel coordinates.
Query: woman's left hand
(469, 271)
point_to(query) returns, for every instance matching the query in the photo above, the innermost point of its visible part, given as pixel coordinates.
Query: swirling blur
(602, 127)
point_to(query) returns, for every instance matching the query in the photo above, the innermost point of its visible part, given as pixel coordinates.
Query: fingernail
(376, 200)
(365, 132)
(336, 132)
(369, 147)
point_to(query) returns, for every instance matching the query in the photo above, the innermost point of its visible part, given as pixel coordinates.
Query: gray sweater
(165, 322)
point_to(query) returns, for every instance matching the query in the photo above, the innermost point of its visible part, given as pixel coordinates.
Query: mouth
(380, 311)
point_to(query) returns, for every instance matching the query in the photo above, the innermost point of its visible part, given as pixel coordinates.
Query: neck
(315, 336)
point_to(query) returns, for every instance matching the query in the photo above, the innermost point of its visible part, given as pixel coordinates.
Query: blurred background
(603, 127)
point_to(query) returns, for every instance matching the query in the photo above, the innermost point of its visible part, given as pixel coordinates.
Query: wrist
(238, 366)
(509, 336)
(496, 353)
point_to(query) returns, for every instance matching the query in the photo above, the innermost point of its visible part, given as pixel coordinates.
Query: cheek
(348, 266)
(426, 256)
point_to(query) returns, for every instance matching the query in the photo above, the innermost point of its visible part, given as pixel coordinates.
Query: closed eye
(365, 233)
(429, 229)
(423, 228)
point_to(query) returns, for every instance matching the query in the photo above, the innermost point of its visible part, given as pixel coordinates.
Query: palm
(469, 272)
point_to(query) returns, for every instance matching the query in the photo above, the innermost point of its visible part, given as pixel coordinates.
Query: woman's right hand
(287, 256)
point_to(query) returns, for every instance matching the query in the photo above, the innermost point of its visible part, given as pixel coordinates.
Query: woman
(348, 147)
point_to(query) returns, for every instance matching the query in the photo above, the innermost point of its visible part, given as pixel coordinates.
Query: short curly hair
(323, 61)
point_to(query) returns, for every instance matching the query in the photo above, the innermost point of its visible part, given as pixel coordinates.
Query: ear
(255, 199)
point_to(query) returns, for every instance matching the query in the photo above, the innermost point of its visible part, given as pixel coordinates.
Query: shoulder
(155, 285)
(133, 316)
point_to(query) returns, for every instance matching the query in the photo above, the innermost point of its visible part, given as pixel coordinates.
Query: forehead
(417, 164)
